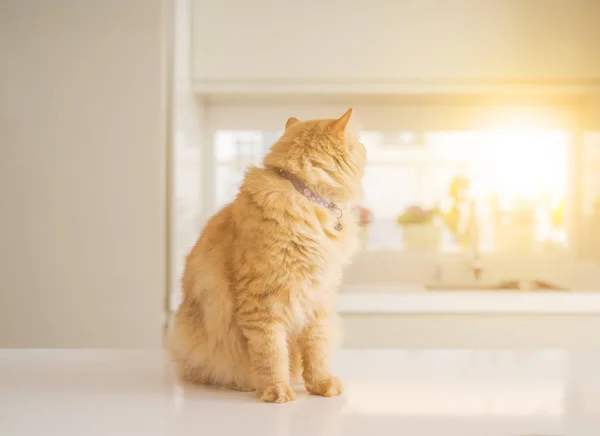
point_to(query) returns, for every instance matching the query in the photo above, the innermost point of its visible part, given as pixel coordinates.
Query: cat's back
(206, 262)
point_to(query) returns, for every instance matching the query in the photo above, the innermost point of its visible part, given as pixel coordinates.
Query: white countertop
(412, 393)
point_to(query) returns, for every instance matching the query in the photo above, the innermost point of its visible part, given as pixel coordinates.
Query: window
(407, 169)
(507, 192)
(517, 180)
(235, 151)
(591, 195)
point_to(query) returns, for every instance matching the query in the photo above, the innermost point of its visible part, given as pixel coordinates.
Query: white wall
(395, 41)
(82, 173)
(188, 119)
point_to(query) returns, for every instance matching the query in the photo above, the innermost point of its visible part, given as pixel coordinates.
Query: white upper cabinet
(390, 42)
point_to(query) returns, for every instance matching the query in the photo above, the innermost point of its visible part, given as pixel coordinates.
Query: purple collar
(313, 196)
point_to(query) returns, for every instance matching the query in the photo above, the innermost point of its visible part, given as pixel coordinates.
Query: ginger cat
(259, 286)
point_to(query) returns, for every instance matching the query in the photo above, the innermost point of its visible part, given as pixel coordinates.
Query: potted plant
(419, 230)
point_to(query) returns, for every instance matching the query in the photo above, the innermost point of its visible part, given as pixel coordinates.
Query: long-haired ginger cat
(259, 285)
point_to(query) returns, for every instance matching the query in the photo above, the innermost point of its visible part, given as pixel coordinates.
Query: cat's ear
(341, 123)
(291, 122)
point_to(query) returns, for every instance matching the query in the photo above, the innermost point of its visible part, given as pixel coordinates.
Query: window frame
(432, 115)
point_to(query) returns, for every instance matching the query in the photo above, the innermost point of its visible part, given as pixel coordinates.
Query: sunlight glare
(520, 164)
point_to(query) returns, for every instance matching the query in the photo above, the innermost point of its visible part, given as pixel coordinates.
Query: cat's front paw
(330, 387)
(277, 393)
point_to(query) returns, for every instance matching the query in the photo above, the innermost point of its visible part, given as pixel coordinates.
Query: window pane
(513, 192)
(235, 151)
(494, 191)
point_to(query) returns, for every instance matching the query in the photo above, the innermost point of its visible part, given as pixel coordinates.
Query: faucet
(476, 267)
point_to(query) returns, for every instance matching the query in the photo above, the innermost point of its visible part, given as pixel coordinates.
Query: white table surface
(412, 393)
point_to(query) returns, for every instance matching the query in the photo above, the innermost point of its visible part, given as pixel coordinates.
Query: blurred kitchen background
(481, 121)
(126, 124)
(481, 206)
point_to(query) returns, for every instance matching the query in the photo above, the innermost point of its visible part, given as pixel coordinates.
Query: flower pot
(420, 237)
(363, 235)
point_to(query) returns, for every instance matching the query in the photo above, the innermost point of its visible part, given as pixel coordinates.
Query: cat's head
(324, 153)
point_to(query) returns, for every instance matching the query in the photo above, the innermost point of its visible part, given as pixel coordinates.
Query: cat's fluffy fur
(259, 285)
